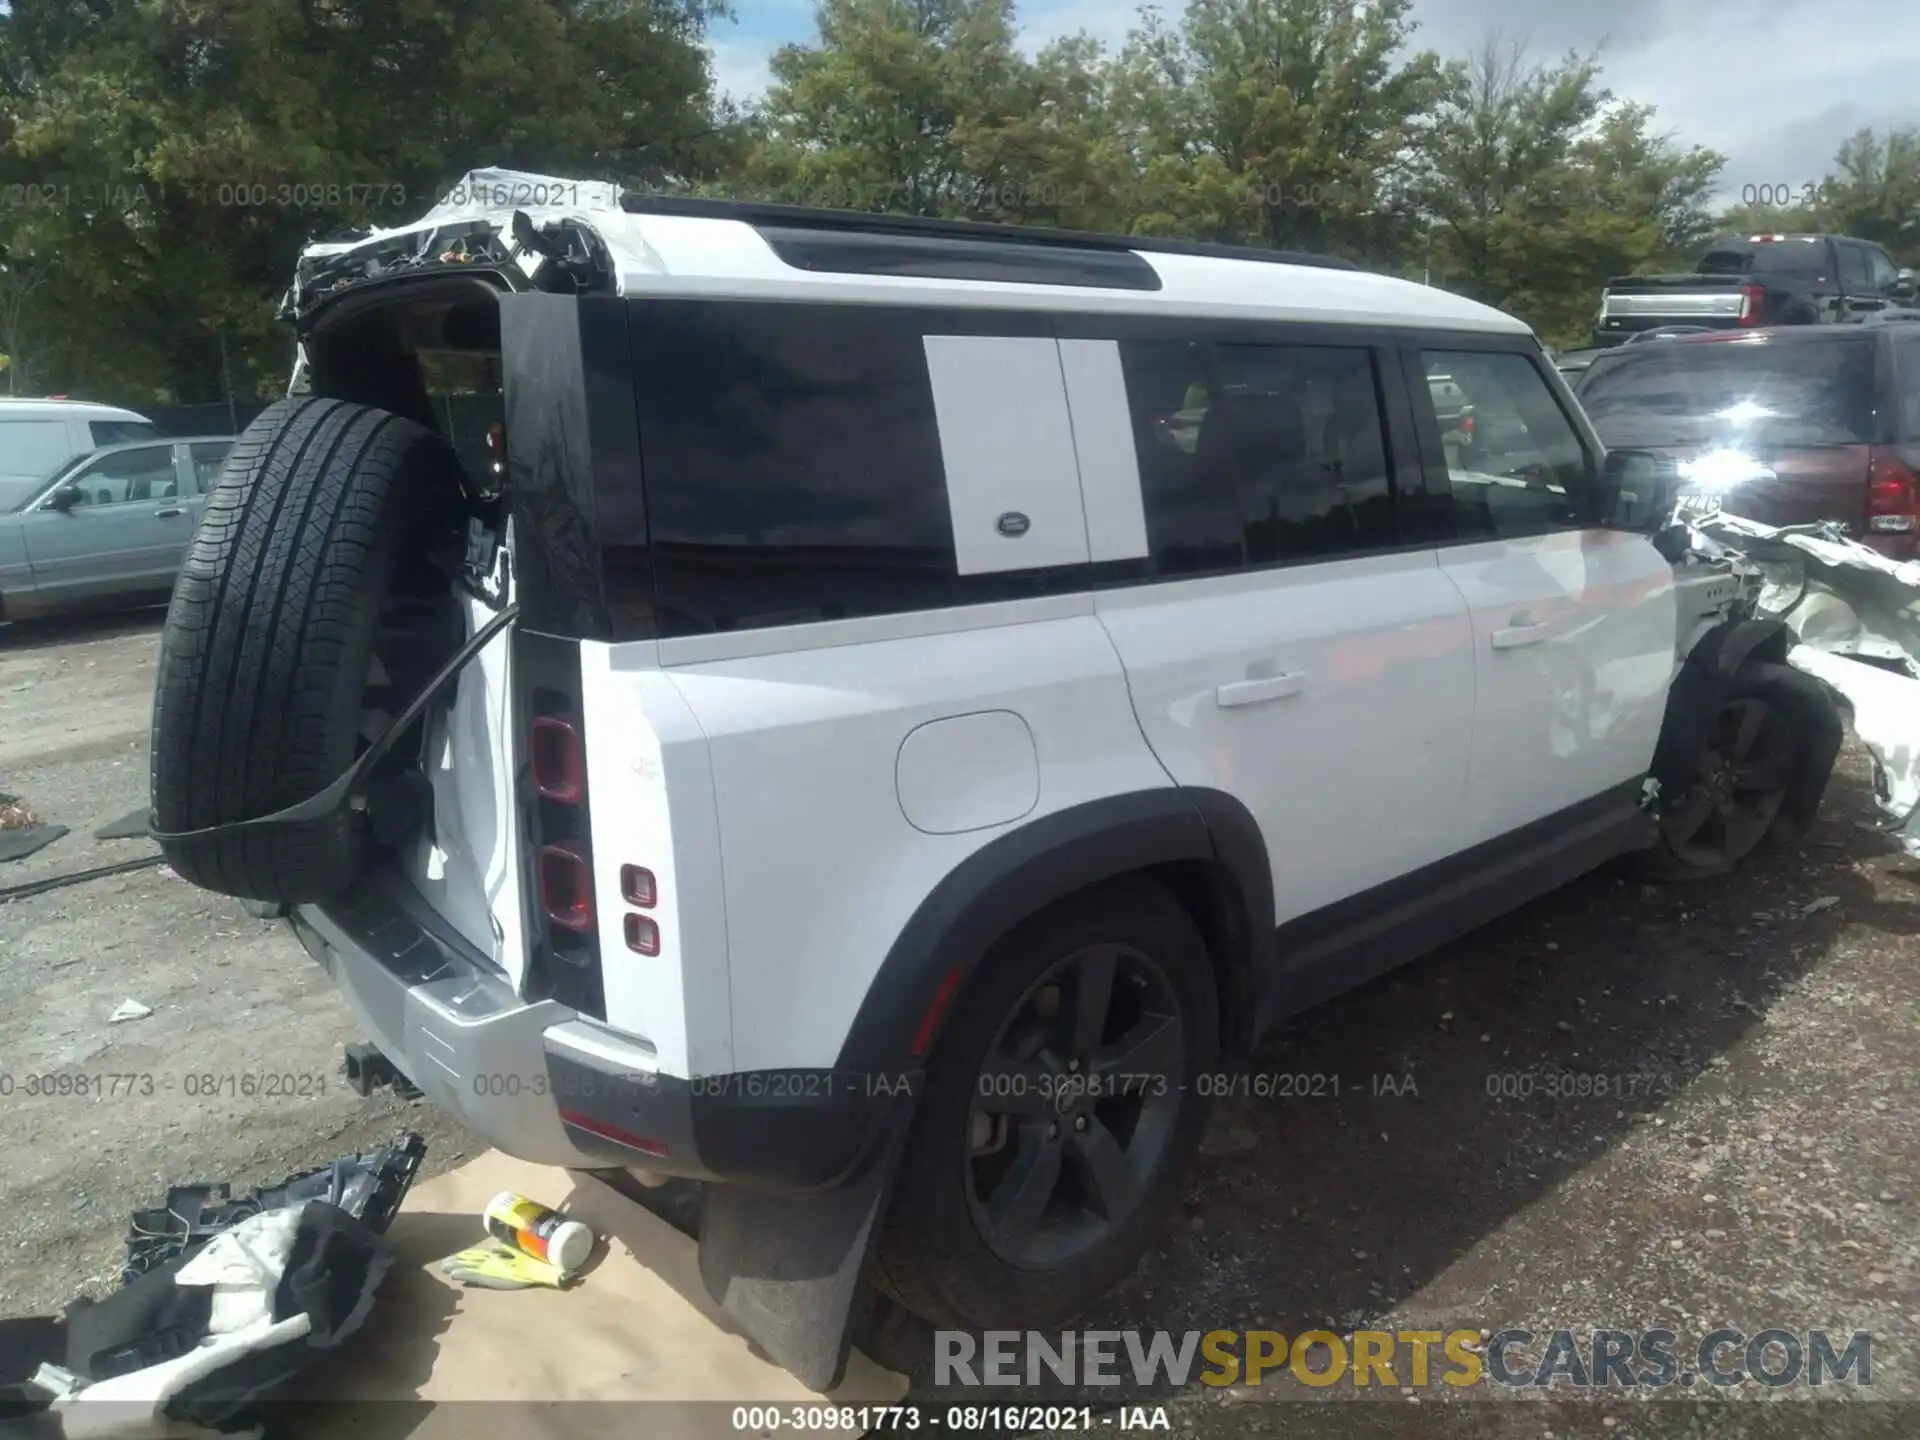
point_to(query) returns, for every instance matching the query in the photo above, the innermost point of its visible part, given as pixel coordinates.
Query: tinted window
(1187, 485)
(127, 477)
(1881, 271)
(1910, 385)
(793, 464)
(1804, 258)
(1802, 392)
(1854, 274)
(209, 458)
(121, 432)
(1515, 463)
(1303, 423)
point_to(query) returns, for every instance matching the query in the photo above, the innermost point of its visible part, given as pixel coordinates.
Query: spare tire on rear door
(265, 657)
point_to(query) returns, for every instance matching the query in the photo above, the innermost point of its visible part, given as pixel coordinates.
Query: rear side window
(1856, 275)
(121, 432)
(209, 459)
(1804, 258)
(1515, 464)
(1815, 391)
(1187, 488)
(1910, 386)
(793, 464)
(1309, 452)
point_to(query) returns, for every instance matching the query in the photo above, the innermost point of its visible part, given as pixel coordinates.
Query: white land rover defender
(866, 712)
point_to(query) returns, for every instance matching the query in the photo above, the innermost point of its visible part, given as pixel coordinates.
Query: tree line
(163, 161)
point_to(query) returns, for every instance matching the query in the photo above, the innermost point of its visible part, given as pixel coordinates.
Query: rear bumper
(542, 1083)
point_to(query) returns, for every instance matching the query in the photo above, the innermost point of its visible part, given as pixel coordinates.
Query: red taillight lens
(637, 887)
(643, 936)
(1751, 298)
(566, 888)
(1466, 424)
(1893, 495)
(559, 766)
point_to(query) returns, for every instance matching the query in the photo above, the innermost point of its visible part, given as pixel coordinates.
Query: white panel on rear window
(1006, 442)
(1103, 436)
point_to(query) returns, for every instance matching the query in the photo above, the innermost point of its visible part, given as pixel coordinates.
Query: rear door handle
(168, 512)
(1254, 692)
(1514, 636)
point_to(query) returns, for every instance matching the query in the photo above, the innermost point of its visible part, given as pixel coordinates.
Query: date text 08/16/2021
(958, 1419)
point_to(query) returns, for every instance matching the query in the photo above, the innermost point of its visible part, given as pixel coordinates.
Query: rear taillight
(566, 888)
(1751, 298)
(559, 763)
(1893, 494)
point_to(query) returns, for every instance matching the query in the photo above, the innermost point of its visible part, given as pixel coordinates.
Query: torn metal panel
(1836, 594)
(1886, 717)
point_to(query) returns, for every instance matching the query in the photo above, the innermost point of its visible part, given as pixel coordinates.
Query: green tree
(1538, 187)
(1291, 123)
(192, 148)
(1874, 190)
(921, 107)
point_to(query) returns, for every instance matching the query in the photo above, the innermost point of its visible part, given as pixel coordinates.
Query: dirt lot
(1744, 1150)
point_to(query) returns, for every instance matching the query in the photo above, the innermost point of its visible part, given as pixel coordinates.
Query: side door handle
(167, 512)
(1515, 636)
(1254, 692)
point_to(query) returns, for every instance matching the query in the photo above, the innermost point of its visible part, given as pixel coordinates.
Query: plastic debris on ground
(129, 1010)
(221, 1302)
(368, 1187)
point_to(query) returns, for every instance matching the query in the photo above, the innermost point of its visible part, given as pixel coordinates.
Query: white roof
(679, 255)
(20, 409)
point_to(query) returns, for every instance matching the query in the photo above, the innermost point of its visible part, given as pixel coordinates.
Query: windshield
(1807, 393)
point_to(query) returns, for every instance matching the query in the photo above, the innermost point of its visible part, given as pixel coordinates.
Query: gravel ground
(233, 1077)
(1751, 1158)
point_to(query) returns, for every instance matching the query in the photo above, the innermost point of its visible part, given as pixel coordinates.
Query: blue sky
(1774, 85)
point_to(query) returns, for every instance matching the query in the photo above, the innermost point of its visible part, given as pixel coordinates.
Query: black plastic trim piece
(1334, 949)
(941, 257)
(795, 1130)
(796, 217)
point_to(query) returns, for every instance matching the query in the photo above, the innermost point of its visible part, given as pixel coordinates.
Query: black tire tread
(267, 640)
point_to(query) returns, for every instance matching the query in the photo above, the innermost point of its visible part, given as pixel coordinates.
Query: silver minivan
(37, 437)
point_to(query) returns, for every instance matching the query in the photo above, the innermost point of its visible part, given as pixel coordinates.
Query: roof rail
(808, 217)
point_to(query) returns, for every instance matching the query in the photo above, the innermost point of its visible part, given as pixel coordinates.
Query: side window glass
(1514, 461)
(1854, 275)
(793, 461)
(208, 461)
(1881, 271)
(1309, 450)
(129, 477)
(1186, 464)
(1910, 385)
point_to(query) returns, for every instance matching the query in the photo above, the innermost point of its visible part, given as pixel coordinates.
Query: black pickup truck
(1745, 282)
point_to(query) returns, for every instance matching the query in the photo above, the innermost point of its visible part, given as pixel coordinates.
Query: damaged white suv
(872, 714)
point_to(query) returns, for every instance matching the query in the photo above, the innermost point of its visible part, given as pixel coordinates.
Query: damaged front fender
(1853, 617)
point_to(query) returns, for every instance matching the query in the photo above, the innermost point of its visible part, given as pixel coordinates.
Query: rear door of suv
(1293, 646)
(1573, 625)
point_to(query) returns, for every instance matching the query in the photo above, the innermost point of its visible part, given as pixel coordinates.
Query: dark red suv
(1832, 410)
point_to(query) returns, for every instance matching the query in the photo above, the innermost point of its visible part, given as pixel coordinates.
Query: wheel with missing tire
(1061, 1115)
(1739, 786)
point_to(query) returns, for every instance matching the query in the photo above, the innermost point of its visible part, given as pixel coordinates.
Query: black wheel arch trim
(1016, 875)
(1705, 682)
